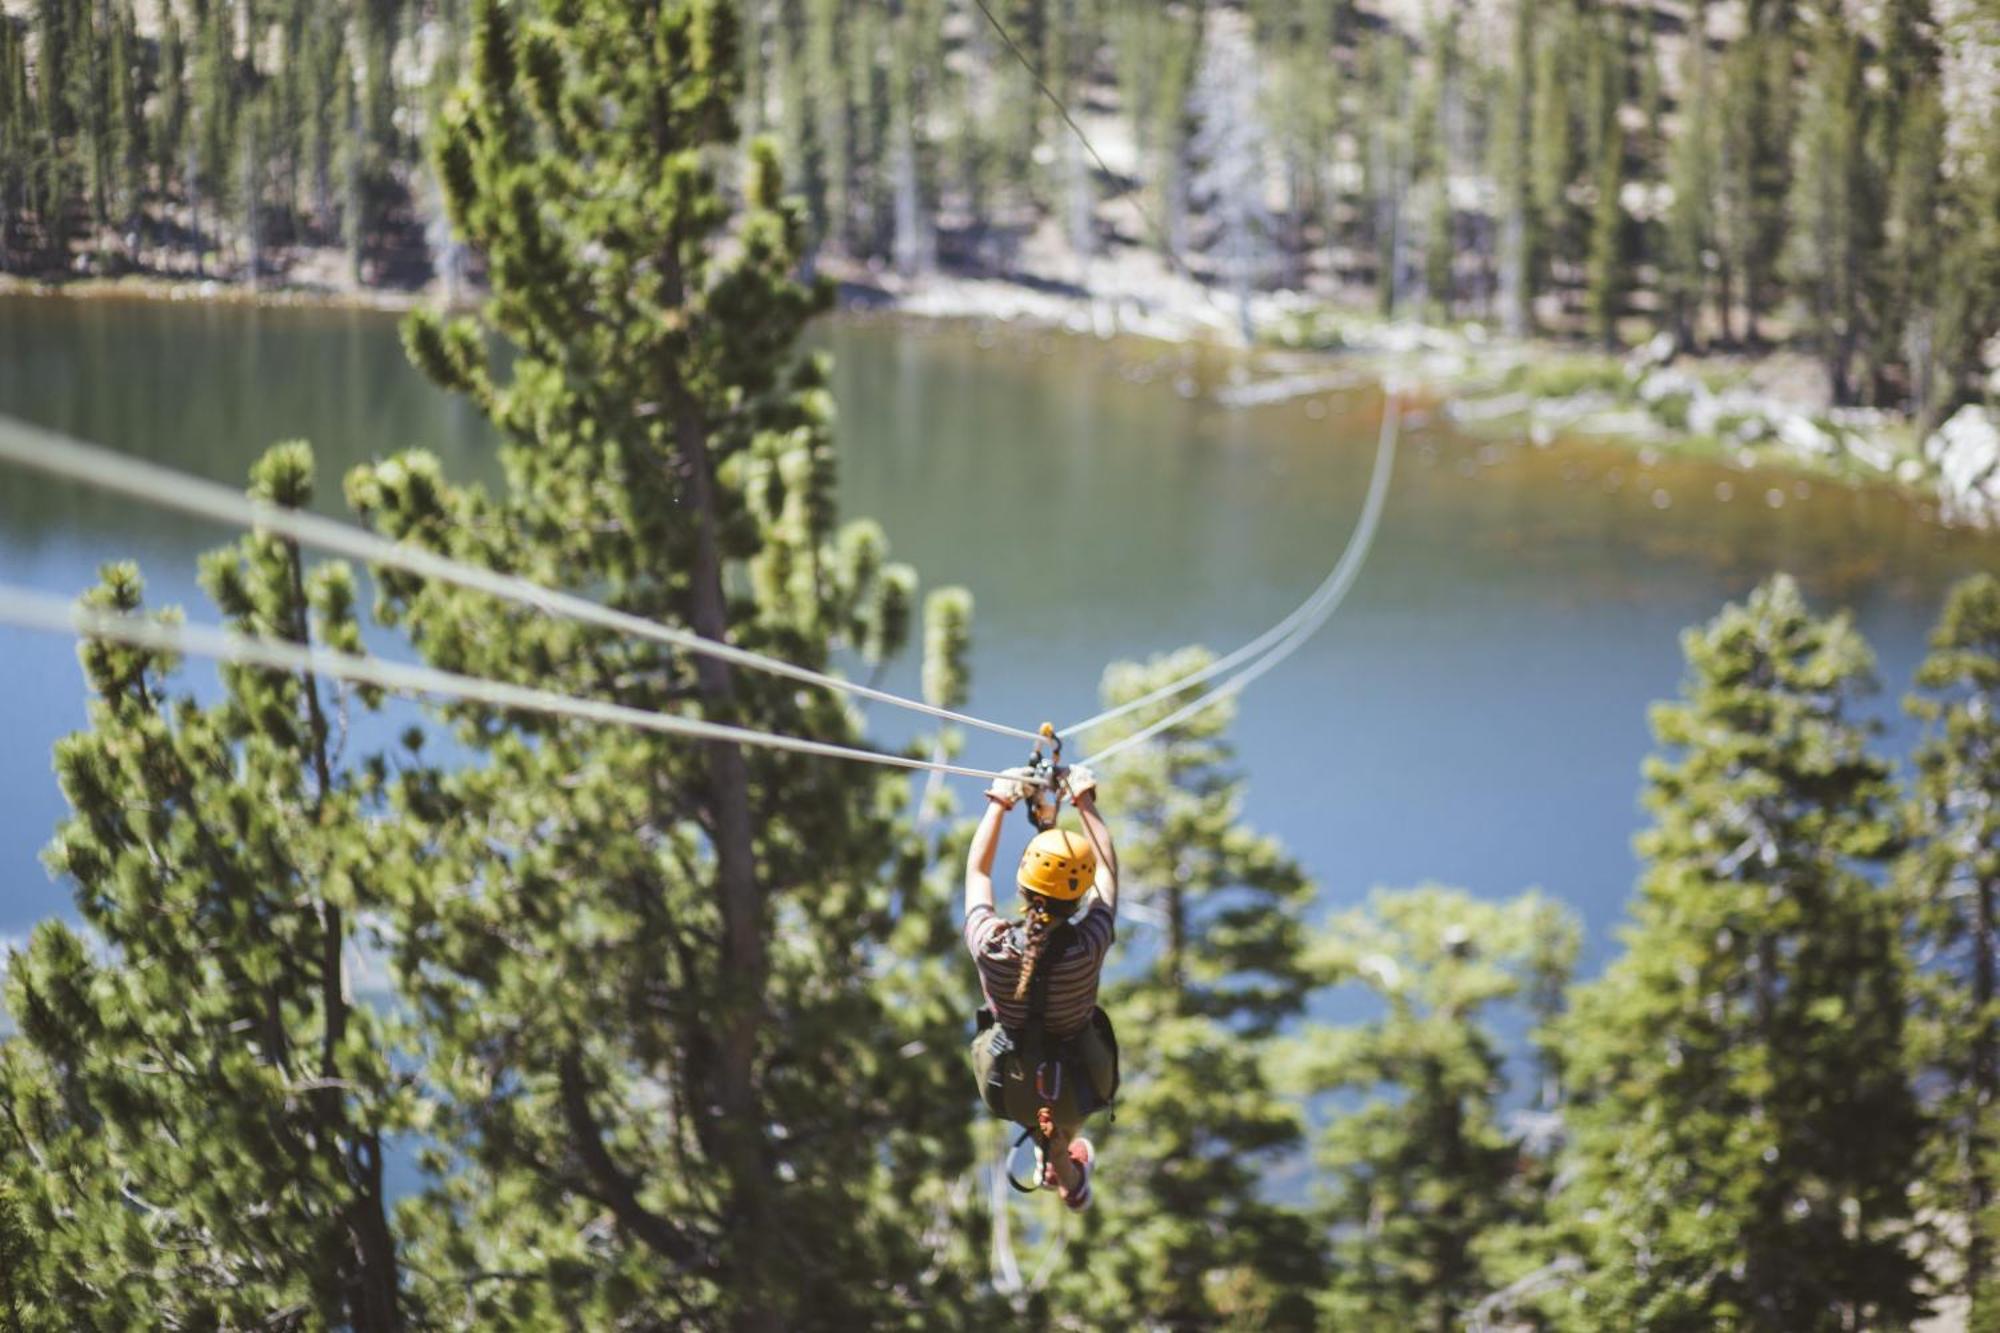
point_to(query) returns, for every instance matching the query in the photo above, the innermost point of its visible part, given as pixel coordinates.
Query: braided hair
(1041, 918)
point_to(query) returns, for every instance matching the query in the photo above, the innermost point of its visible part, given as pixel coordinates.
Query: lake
(1474, 715)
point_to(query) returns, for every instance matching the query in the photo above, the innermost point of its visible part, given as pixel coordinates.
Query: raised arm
(1000, 798)
(1083, 795)
(979, 859)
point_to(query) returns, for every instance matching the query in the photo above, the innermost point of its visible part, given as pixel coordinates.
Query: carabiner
(1045, 803)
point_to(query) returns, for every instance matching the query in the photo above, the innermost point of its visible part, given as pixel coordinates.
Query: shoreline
(1645, 399)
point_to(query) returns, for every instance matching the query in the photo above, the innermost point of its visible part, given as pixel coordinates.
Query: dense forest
(1730, 172)
(672, 1034)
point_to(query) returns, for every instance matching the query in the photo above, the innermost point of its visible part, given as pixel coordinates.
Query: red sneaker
(1080, 1153)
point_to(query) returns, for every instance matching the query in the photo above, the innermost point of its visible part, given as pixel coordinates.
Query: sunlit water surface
(1475, 714)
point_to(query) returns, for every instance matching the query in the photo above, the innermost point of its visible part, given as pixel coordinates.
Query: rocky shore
(1761, 411)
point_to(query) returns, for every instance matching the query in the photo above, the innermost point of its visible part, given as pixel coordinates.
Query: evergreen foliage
(1427, 1180)
(644, 967)
(674, 1032)
(1743, 1151)
(197, 1106)
(1739, 171)
(1952, 877)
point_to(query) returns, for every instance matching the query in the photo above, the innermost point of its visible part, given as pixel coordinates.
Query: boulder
(1801, 436)
(1966, 452)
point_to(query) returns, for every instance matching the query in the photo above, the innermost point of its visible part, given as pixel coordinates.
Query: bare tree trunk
(253, 189)
(194, 209)
(740, 899)
(910, 245)
(371, 1276)
(1082, 202)
(1724, 286)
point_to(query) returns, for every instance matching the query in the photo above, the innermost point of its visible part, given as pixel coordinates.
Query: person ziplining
(1046, 1056)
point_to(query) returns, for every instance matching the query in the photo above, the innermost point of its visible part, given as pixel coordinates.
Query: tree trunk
(1725, 333)
(1759, 1279)
(371, 1280)
(752, 1243)
(1978, 1249)
(194, 210)
(1453, 1277)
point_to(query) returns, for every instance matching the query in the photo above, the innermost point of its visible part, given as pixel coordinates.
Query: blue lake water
(1475, 714)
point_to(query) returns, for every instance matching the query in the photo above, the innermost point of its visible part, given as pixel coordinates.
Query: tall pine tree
(1743, 1152)
(1953, 878)
(643, 965)
(1426, 1178)
(196, 1107)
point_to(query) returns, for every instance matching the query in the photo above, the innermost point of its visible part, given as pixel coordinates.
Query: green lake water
(1475, 714)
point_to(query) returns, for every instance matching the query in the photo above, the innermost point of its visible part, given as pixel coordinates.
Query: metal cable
(39, 611)
(1322, 602)
(60, 456)
(1166, 239)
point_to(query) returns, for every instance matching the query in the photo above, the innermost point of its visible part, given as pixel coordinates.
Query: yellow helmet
(1058, 864)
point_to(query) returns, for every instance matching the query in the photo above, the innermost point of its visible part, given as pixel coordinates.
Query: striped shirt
(996, 942)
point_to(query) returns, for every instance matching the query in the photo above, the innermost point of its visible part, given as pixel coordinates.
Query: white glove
(1009, 789)
(1082, 782)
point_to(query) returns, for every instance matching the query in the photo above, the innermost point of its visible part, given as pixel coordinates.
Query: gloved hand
(1082, 785)
(1009, 789)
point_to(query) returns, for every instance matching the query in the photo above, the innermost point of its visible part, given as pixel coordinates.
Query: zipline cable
(60, 456)
(1047, 92)
(1309, 607)
(39, 611)
(1166, 241)
(1320, 604)
(1323, 604)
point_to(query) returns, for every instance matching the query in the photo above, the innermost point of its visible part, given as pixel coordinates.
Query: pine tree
(196, 1108)
(1757, 117)
(1424, 1175)
(322, 74)
(1607, 264)
(1953, 879)
(825, 74)
(1014, 113)
(254, 138)
(88, 86)
(1743, 1150)
(1513, 170)
(17, 139)
(916, 73)
(1191, 1241)
(1906, 142)
(1968, 298)
(1606, 148)
(127, 146)
(1227, 183)
(1918, 228)
(56, 176)
(1157, 53)
(1558, 157)
(1389, 164)
(1691, 181)
(1432, 157)
(167, 136)
(643, 965)
(212, 111)
(1834, 218)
